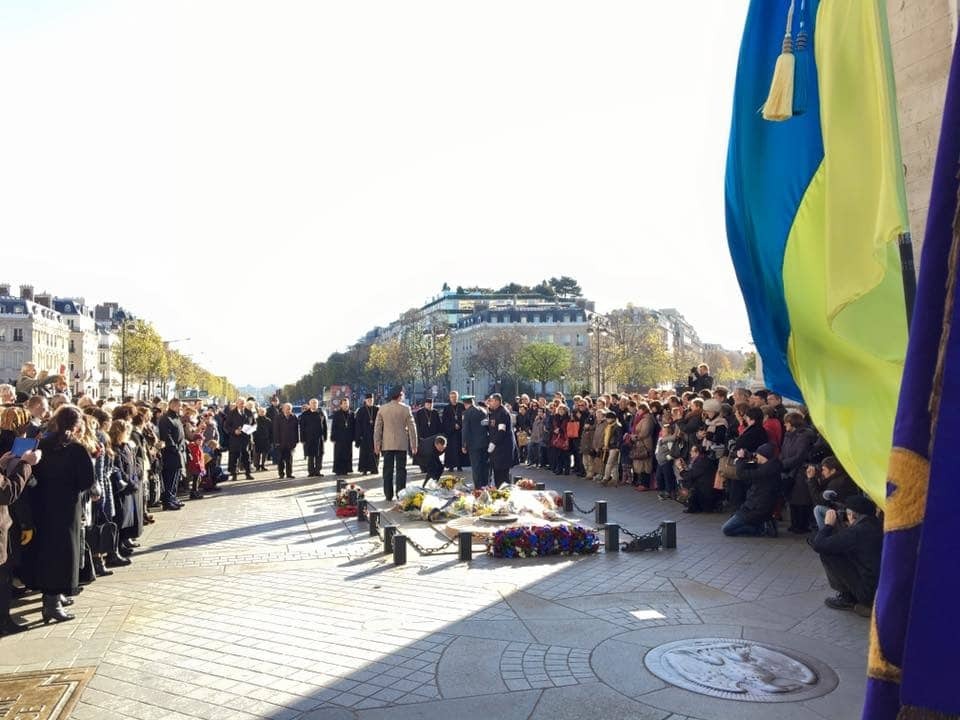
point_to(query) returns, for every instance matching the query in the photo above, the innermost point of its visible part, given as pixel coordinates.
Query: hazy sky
(272, 179)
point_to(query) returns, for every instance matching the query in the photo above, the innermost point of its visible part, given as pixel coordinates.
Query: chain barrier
(428, 551)
(582, 511)
(647, 541)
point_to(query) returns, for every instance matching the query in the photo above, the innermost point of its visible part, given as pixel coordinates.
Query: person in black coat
(500, 438)
(697, 476)
(700, 378)
(313, 434)
(170, 433)
(851, 555)
(762, 479)
(475, 441)
(262, 439)
(752, 437)
(452, 421)
(15, 472)
(427, 420)
(273, 412)
(286, 435)
(428, 455)
(342, 430)
(63, 474)
(237, 440)
(364, 422)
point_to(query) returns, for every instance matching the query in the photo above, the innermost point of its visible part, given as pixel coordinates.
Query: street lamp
(473, 385)
(562, 378)
(597, 328)
(123, 317)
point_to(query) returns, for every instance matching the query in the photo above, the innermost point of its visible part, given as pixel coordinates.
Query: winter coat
(536, 431)
(840, 483)
(173, 439)
(794, 456)
(286, 431)
(500, 433)
(643, 436)
(263, 435)
(13, 481)
(763, 481)
(752, 437)
(313, 431)
(63, 474)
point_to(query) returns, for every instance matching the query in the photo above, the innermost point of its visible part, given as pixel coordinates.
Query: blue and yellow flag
(914, 664)
(815, 205)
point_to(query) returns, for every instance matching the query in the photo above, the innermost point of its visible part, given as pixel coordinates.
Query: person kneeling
(428, 457)
(851, 555)
(762, 478)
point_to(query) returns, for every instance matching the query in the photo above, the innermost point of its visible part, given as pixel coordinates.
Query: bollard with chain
(399, 548)
(669, 534)
(374, 519)
(600, 513)
(541, 486)
(341, 483)
(389, 531)
(361, 510)
(568, 500)
(466, 546)
(612, 539)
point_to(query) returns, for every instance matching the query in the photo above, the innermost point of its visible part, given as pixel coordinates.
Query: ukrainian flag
(815, 205)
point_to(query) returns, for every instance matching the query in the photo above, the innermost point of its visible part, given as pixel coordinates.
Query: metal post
(909, 274)
(389, 531)
(541, 486)
(352, 497)
(361, 510)
(340, 484)
(374, 519)
(612, 539)
(517, 478)
(600, 514)
(399, 549)
(568, 500)
(465, 540)
(669, 534)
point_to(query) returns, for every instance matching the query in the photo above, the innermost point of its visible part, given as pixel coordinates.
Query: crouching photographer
(760, 473)
(851, 555)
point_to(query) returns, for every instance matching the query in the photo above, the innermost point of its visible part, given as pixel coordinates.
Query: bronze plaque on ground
(42, 694)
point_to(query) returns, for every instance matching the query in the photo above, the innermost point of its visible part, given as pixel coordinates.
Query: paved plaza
(260, 603)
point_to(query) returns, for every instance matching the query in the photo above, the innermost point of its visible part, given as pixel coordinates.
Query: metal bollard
(399, 549)
(568, 500)
(465, 540)
(361, 510)
(669, 534)
(341, 483)
(389, 531)
(612, 539)
(541, 486)
(517, 478)
(374, 519)
(600, 514)
(352, 497)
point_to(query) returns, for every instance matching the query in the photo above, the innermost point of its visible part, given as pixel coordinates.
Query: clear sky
(273, 178)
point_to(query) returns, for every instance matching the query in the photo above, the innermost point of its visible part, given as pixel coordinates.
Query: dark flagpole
(909, 274)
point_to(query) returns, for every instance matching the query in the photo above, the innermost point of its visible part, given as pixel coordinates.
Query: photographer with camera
(760, 474)
(851, 554)
(830, 476)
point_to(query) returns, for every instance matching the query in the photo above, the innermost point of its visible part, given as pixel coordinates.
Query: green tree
(495, 353)
(141, 352)
(544, 362)
(565, 287)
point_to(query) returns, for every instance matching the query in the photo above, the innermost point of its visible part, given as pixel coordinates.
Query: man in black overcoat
(427, 419)
(452, 421)
(342, 431)
(363, 436)
(501, 446)
(313, 434)
(238, 442)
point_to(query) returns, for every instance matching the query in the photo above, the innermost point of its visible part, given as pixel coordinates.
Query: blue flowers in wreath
(542, 541)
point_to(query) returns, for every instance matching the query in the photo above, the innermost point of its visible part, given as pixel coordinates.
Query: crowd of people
(79, 478)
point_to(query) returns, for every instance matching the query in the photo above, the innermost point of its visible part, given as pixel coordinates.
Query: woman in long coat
(63, 474)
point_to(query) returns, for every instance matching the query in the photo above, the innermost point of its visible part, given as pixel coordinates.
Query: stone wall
(922, 33)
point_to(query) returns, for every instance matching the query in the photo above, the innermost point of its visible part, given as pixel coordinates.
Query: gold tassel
(779, 104)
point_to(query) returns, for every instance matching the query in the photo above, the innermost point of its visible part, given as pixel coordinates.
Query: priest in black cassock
(453, 430)
(427, 419)
(363, 434)
(342, 432)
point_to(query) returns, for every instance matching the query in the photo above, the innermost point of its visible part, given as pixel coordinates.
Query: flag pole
(909, 274)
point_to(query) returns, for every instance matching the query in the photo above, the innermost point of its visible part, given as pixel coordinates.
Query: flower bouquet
(542, 541)
(525, 484)
(344, 507)
(410, 500)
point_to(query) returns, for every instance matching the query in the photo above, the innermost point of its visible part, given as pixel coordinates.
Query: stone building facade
(30, 331)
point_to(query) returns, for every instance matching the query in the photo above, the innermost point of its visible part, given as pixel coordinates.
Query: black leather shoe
(171, 506)
(125, 551)
(99, 569)
(66, 601)
(117, 561)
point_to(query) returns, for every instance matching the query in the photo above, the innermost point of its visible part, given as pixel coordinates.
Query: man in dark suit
(170, 433)
(313, 434)
(286, 435)
(453, 430)
(427, 419)
(428, 456)
(238, 441)
(500, 436)
(475, 441)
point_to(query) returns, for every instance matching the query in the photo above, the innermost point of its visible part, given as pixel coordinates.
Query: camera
(830, 499)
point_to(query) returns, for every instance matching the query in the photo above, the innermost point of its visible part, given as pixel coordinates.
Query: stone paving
(260, 603)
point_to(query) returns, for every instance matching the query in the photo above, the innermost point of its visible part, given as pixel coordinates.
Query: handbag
(573, 429)
(560, 442)
(522, 438)
(639, 450)
(728, 467)
(718, 481)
